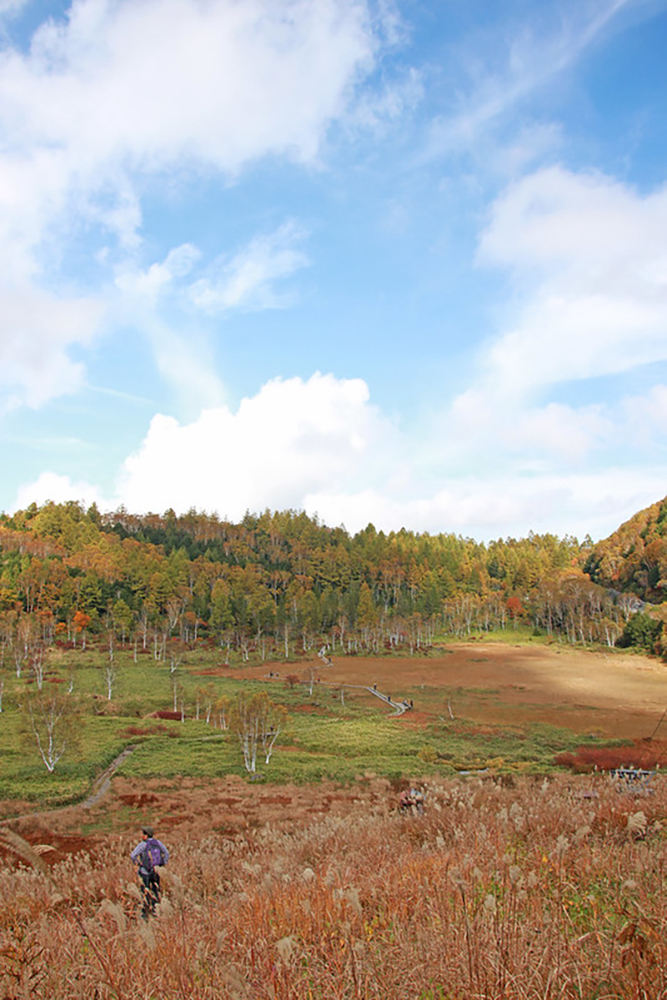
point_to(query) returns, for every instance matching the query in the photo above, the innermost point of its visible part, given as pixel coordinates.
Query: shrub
(641, 631)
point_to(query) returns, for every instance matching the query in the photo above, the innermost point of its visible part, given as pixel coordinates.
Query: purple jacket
(138, 853)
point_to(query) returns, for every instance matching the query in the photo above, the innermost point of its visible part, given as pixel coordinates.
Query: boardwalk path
(399, 706)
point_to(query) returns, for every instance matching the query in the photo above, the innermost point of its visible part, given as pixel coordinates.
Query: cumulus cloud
(586, 256)
(58, 489)
(292, 438)
(322, 446)
(496, 504)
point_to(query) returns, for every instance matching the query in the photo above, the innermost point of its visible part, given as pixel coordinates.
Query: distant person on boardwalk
(150, 854)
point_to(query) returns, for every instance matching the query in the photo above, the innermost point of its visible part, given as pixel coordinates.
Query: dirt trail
(102, 784)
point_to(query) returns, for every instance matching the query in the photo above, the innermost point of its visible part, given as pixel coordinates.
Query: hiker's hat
(148, 830)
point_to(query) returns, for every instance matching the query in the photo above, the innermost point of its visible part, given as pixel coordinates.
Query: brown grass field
(508, 888)
(615, 694)
(532, 889)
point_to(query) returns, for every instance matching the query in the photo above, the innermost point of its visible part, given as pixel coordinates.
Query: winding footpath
(102, 784)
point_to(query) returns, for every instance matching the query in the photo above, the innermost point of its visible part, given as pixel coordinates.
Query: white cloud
(59, 489)
(320, 445)
(559, 430)
(182, 352)
(646, 416)
(481, 507)
(494, 505)
(584, 224)
(588, 256)
(246, 281)
(292, 438)
(156, 301)
(529, 57)
(484, 429)
(125, 86)
(150, 284)
(115, 91)
(36, 330)
(12, 6)
(184, 359)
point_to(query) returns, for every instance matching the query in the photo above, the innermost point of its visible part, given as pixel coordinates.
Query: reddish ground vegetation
(642, 754)
(617, 695)
(535, 890)
(415, 718)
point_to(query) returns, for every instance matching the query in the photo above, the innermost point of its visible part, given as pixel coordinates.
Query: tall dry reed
(549, 889)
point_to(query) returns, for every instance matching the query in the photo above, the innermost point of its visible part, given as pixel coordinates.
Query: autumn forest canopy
(281, 582)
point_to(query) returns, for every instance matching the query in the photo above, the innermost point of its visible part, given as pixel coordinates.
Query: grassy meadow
(326, 736)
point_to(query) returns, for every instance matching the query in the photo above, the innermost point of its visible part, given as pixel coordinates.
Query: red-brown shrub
(647, 755)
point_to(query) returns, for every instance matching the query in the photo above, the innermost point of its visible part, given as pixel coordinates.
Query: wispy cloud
(531, 60)
(588, 257)
(247, 280)
(126, 397)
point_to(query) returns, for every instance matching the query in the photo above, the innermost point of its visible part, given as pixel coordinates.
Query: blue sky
(400, 262)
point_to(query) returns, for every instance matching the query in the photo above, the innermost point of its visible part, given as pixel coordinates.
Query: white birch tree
(51, 723)
(257, 722)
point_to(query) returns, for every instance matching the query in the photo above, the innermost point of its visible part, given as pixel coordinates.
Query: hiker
(405, 801)
(417, 797)
(149, 855)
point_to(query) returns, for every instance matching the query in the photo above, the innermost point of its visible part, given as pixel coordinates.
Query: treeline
(280, 583)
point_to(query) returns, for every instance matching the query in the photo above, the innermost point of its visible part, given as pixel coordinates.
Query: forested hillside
(282, 583)
(634, 558)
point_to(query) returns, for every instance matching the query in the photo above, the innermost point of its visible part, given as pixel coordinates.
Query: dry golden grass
(539, 889)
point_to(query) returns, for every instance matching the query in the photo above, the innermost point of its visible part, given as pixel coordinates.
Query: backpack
(151, 856)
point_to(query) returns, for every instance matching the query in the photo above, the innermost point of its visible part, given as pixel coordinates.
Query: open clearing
(613, 694)
(489, 684)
